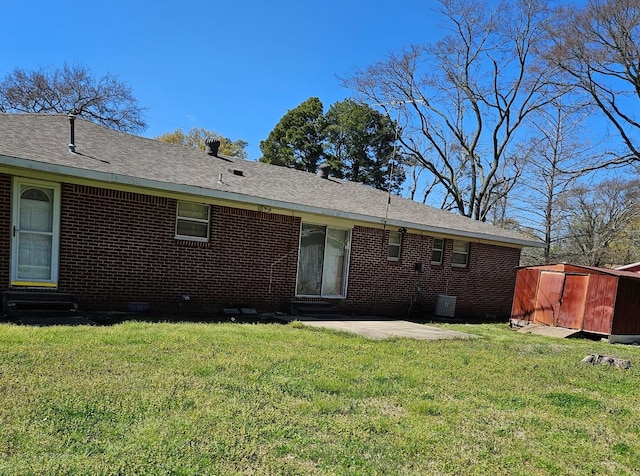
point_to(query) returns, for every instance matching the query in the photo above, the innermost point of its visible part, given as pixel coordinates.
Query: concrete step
(37, 301)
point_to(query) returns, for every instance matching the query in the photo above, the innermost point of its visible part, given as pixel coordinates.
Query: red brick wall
(395, 287)
(5, 230)
(119, 247)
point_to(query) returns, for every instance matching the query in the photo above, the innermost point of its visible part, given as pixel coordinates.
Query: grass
(158, 398)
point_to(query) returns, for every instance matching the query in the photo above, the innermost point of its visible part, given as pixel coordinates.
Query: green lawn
(156, 398)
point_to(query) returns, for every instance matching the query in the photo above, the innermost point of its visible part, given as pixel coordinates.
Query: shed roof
(41, 142)
(569, 267)
(630, 267)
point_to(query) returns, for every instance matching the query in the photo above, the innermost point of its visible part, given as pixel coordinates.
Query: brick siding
(5, 230)
(485, 286)
(120, 247)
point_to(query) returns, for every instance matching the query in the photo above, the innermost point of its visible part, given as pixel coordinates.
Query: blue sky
(231, 67)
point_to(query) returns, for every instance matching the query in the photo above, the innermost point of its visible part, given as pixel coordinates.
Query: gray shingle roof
(40, 142)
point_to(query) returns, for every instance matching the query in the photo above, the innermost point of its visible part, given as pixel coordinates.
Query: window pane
(193, 210)
(192, 228)
(459, 259)
(460, 253)
(34, 260)
(394, 252)
(460, 246)
(395, 237)
(322, 261)
(36, 210)
(35, 194)
(311, 260)
(334, 262)
(395, 240)
(436, 253)
(192, 221)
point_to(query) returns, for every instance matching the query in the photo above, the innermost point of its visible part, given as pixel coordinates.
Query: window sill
(191, 238)
(192, 243)
(318, 296)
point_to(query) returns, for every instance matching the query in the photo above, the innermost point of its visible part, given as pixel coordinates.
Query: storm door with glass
(323, 261)
(35, 233)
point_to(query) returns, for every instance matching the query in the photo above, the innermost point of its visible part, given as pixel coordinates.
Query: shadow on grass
(108, 318)
(113, 318)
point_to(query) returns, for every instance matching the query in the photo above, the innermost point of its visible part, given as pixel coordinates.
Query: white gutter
(249, 199)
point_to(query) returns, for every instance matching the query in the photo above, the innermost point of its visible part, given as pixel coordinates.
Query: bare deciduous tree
(598, 47)
(464, 100)
(106, 101)
(559, 155)
(595, 218)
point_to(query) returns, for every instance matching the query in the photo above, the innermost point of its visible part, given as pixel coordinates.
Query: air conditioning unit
(445, 305)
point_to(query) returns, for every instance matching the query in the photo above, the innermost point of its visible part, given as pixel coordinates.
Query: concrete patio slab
(384, 329)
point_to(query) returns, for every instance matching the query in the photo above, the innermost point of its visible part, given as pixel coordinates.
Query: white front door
(35, 233)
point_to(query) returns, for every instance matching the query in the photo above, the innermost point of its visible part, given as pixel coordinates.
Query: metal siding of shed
(611, 301)
(524, 296)
(626, 319)
(600, 302)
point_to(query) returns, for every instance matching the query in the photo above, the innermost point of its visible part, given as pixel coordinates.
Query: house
(115, 219)
(599, 301)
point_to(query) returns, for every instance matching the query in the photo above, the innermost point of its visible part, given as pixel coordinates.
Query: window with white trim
(437, 251)
(192, 221)
(395, 245)
(460, 254)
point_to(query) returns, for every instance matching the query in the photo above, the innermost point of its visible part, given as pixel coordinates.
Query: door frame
(17, 183)
(345, 265)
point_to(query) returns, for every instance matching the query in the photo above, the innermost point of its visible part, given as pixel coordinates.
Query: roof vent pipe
(323, 170)
(212, 146)
(72, 132)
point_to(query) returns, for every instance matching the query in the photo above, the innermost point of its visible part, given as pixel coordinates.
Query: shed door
(572, 303)
(548, 297)
(34, 235)
(561, 299)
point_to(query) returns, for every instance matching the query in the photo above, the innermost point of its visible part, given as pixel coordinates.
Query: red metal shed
(596, 300)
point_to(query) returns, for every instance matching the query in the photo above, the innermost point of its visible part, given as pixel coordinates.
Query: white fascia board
(120, 179)
(466, 234)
